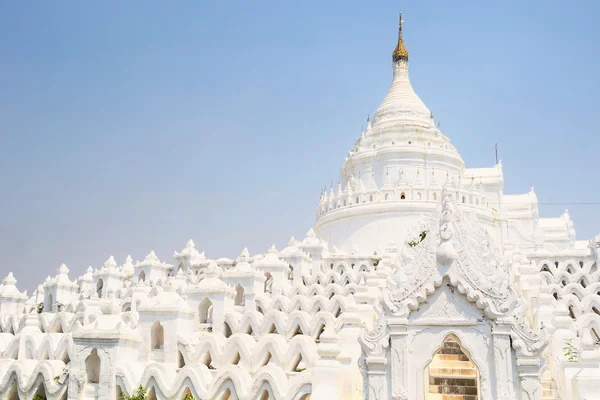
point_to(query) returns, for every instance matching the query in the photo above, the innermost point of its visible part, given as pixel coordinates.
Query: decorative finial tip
(400, 52)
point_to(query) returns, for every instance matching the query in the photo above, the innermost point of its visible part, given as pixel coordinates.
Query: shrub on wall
(139, 394)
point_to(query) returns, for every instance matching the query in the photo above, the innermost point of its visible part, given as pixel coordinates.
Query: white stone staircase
(550, 391)
(452, 376)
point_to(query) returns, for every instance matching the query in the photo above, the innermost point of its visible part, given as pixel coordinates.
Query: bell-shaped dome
(401, 106)
(396, 158)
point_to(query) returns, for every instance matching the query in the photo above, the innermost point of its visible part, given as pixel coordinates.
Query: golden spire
(400, 52)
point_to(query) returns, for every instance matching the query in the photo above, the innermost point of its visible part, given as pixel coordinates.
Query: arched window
(142, 277)
(151, 394)
(92, 367)
(13, 393)
(205, 310)
(181, 360)
(451, 372)
(387, 195)
(418, 195)
(265, 360)
(464, 199)
(268, 282)
(371, 198)
(402, 196)
(157, 336)
(227, 330)
(239, 295)
(41, 392)
(50, 303)
(357, 200)
(434, 196)
(99, 287)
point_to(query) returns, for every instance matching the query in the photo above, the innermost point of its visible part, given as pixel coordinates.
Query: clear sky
(127, 126)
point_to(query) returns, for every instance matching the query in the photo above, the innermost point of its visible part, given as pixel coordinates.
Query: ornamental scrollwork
(524, 340)
(375, 341)
(399, 394)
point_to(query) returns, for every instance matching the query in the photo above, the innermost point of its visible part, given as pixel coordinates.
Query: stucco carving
(376, 341)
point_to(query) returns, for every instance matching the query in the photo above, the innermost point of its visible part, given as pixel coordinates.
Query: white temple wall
(365, 233)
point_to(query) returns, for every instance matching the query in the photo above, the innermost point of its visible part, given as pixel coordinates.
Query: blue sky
(132, 126)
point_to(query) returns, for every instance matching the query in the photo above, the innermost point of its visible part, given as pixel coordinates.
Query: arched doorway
(99, 287)
(205, 311)
(451, 373)
(157, 338)
(157, 342)
(92, 367)
(239, 295)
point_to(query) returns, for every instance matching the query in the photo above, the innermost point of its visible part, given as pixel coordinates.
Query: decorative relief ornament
(455, 245)
(399, 394)
(376, 341)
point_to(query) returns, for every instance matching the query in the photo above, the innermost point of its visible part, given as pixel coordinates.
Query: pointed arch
(206, 359)
(320, 331)
(151, 394)
(41, 391)
(297, 364)
(451, 371)
(99, 287)
(266, 360)
(180, 359)
(239, 295)
(273, 329)
(50, 303)
(92, 367)
(227, 330)
(205, 310)
(157, 336)
(13, 392)
(226, 395)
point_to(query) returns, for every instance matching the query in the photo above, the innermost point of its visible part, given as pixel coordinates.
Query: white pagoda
(421, 279)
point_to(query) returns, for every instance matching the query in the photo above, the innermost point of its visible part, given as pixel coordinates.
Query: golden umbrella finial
(400, 52)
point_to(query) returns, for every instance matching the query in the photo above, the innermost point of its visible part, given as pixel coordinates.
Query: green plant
(139, 394)
(38, 397)
(422, 236)
(189, 397)
(39, 307)
(570, 351)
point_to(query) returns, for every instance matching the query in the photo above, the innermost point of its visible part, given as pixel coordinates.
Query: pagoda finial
(400, 52)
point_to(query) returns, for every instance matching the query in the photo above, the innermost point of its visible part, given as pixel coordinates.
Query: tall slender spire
(400, 52)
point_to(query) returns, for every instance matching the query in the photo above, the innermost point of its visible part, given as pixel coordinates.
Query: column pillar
(399, 341)
(503, 360)
(529, 377)
(326, 382)
(376, 378)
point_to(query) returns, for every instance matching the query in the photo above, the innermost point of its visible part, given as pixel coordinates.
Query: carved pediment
(446, 307)
(454, 245)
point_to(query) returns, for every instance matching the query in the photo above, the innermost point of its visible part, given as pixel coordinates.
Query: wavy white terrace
(421, 279)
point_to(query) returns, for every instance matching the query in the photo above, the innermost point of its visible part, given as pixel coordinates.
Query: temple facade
(421, 279)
